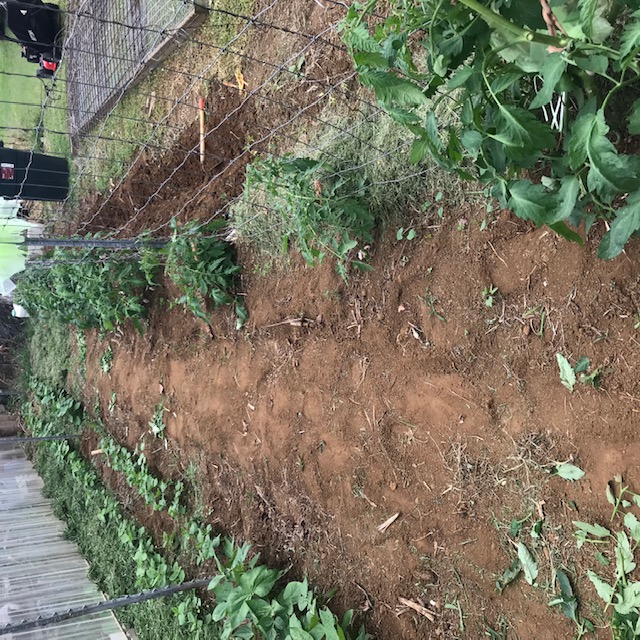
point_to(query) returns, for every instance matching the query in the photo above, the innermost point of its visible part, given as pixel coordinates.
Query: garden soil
(405, 392)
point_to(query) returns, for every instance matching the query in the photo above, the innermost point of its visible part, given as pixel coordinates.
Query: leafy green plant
(617, 549)
(84, 288)
(247, 604)
(112, 401)
(405, 234)
(318, 211)
(430, 301)
(488, 294)
(156, 424)
(204, 268)
(568, 373)
(484, 61)
(106, 360)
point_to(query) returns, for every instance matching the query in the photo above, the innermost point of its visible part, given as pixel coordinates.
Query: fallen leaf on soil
(240, 80)
(387, 523)
(417, 608)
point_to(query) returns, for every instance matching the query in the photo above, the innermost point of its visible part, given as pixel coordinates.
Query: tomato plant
(505, 67)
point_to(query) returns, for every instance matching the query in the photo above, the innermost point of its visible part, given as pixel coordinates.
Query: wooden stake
(201, 130)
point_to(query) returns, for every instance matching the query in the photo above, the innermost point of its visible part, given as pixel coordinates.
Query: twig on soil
(367, 605)
(295, 322)
(497, 254)
(409, 604)
(387, 523)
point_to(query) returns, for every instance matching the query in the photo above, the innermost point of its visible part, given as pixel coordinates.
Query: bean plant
(504, 72)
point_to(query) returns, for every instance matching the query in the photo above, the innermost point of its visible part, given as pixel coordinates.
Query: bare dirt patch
(307, 439)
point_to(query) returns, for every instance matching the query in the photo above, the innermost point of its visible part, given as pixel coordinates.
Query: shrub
(84, 288)
(307, 204)
(203, 266)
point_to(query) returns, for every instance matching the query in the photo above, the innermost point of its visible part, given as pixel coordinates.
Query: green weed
(112, 402)
(157, 424)
(568, 373)
(430, 301)
(106, 360)
(488, 295)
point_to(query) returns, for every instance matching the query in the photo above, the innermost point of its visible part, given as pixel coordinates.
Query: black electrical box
(33, 176)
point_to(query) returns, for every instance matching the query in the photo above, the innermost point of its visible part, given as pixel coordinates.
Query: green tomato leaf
(609, 173)
(582, 365)
(633, 524)
(568, 601)
(597, 64)
(569, 472)
(508, 576)
(592, 529)
(595, 26)
(567, 374)
(565, 232)
(629, 602)
(472, 141)
(299, 634)
(362, 266)
(529, 565)
(516, 127)
(630, 40)
(505, 80)
(530, 201)
(580, 136)
(624, 556)
(460, 77)
(603, 589)
(634, 119)
(626, 223)
(372, 59)
(391, 88)
(552, 71)
(567, 198)
(419, 150)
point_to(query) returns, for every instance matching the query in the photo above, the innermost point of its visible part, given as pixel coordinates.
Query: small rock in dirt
(426, 576)
(393, 486)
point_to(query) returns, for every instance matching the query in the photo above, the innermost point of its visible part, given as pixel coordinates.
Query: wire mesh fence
(123, 106)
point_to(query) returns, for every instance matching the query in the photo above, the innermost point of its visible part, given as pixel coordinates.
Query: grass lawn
(30, 91)
(21, 90)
